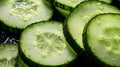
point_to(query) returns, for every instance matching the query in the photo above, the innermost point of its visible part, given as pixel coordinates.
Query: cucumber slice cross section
(102, 38)
(20, 13)
(46, 45)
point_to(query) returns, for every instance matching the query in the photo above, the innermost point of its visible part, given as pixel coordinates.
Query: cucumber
(101, 38)
(20, 63)
(17, 14)
(74, 24)
(8, 55)
(66, 6)
(107, 1)
(46, 45)
(49, 1)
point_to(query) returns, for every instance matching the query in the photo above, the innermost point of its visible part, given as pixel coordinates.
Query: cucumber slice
(107, 1)
(8, 55)
(65, 6)
(20, 63)
(101, 38)
(74, 25)
(21, 13)
(49, 1)
(46, 45)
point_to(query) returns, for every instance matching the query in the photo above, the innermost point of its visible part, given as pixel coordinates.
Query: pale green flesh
(103, 36)
(19, 14)
(49, 43)
(8, 54)
(24, 10)
(82, 14)
(71, 3)
(66, 3)
(46, 45)
(7, 63)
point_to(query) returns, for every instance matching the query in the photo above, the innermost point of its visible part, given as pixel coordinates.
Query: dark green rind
(70, 39)
(15, 31)
(63, 9)
(49, 3)
(31, 63)
(89, 54)
(62, 6)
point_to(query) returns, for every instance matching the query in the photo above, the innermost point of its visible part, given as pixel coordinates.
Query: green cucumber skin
(59, 5)
(31, 63)
(70, 40)
(10, 29)
(62, 9)
(88, 49)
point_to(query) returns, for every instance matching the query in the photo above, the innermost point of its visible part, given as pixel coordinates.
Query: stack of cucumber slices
(88, 28)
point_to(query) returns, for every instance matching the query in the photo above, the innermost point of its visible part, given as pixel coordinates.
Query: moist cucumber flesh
(8, 55)
(46, 45)
(21, 13)
(76, 21)
(70, 3)
(102, 38)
